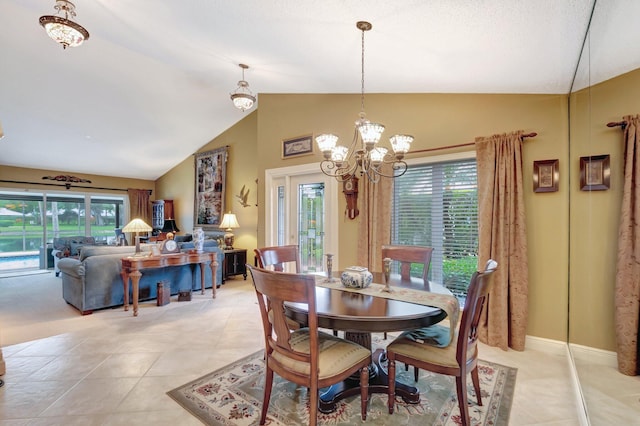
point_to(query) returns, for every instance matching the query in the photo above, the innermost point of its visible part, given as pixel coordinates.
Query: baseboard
(541, 344)
(557, 347)
(594, 355)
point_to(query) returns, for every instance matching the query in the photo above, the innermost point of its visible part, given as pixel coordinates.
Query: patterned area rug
(233, 396)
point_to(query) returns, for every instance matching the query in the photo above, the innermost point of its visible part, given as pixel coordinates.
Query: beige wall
(178, 183)
(438, 120)
(435, 120)
(595, 215)
(20, 174)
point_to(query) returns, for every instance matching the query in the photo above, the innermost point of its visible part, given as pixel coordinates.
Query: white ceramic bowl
(356, 277)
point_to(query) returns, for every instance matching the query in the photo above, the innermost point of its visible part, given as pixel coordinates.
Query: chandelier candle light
(63, 30)
(342, 163)
(242, 98)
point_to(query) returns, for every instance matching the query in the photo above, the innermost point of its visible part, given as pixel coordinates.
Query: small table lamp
(170, 226)
(229, 222)
(135, 226)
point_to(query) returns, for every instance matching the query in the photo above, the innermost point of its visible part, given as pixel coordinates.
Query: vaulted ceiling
(154, 78)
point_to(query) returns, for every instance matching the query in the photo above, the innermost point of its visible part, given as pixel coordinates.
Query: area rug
(232, 396)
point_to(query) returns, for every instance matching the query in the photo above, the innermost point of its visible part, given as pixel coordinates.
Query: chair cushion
(428, 353)
(336, 354)
(435, 335)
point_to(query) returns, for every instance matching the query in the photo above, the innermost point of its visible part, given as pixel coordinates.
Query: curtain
(374, 228)
(627, 296)
(502, 236)
(139, 205)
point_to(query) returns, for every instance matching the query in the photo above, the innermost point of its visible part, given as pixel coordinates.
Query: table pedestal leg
(135, 283)
(202, 266)
(378, 383)
(214, 268)
(125, 284)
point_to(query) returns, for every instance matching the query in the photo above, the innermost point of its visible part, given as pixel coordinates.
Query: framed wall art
(302, 145)
(595, 173)
(546, 175)
(210, 188)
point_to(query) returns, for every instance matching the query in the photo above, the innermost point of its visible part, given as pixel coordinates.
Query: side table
(234, 263)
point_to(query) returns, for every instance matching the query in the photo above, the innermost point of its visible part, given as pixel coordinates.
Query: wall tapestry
(210, 187)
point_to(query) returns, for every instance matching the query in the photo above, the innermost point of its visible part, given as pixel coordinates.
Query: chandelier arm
(399, 168)
(342, 174)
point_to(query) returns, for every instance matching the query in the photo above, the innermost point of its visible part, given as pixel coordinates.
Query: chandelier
(343, 163)
(242, 98)
(62, 30)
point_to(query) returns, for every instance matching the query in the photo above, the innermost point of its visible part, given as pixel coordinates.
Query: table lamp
(135, 226)
(229, 222)
(170, 226)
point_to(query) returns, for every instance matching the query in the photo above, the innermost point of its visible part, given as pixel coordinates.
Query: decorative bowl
(356, 277)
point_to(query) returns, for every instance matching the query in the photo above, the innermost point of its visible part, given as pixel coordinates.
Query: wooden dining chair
(277, 257)
(307, 356)
(459, 357)
(406, 256)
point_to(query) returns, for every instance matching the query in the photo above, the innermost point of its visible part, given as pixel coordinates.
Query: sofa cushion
(88, 251)
(75, 248)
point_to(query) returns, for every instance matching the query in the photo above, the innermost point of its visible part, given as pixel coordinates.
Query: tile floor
(119, 372)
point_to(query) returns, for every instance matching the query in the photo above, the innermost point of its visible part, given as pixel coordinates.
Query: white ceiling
(151, 85)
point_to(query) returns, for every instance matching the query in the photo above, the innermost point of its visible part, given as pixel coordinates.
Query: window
(436, 204)
(28, 219)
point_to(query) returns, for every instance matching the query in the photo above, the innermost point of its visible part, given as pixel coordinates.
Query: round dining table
(359, 315)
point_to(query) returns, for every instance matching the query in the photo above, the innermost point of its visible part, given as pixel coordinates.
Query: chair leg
(385, 335)
(416, 373)
(313, 406)
(461, 390)
(391, 372)
(335, 333)
(364, 391)
(476, 384)
(268, 383)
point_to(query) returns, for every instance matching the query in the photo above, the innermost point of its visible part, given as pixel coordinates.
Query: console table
(132, 265)
(235, 261)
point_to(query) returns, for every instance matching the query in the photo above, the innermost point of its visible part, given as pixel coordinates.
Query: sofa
(93, 281)
(69, 247)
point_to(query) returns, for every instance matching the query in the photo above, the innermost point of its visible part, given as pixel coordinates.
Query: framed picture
(210, 188)
(302, 145)
(546, 175)
(594, 173)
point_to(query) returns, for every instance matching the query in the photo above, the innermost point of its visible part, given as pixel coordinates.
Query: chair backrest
(276, 257)
(407, 255)
(273, 289)
(477, 293)
(120, 237)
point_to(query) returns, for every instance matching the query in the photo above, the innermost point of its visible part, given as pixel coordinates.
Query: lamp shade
(137, 225)
(170, 226)
(229, 222)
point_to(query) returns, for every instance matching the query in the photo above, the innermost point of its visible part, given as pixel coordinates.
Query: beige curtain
(374, 228)
(627, 296)
(503, 237)
(139, 205)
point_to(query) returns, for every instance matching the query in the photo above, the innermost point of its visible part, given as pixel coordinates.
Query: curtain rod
(622, 124)
(68, 185)
(527, 135)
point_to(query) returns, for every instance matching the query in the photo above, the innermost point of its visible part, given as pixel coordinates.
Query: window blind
(436, 205)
